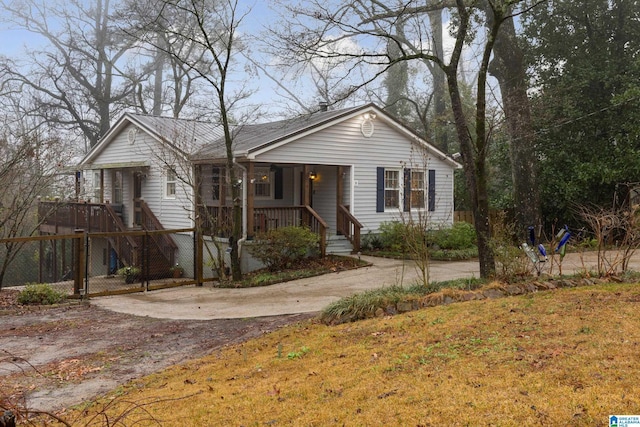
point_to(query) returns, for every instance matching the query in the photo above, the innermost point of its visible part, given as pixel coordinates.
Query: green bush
(395, 235)
(453, 254)
(284, 247)
(392, 236)
(40, 294)
(461, 236)
(372, 242)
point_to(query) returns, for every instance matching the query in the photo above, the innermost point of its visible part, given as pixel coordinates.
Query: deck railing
(349, 227)
(85, 216)
(90, 217)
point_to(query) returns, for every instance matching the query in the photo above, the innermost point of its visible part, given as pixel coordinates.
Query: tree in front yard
(213, 32)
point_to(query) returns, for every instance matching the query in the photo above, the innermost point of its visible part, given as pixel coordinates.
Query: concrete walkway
(298, 296)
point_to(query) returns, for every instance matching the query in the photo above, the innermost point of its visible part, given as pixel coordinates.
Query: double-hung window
(262, 183)
(97, 187)
(417, 189)
(405, 188)
(391, 188)
(170, 184)
(216, 183)
(117, 187)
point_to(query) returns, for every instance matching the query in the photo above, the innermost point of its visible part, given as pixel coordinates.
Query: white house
(341, 172)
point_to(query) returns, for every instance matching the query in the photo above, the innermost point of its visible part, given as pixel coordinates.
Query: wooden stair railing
(349, 227)
(125, 246)
(317, 225)
(162, 241)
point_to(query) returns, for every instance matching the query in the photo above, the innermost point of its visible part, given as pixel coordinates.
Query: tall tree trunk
(158, 74)
(508, 67)
(474, 143)
(475, 176)
(441, 137)
(397, 77)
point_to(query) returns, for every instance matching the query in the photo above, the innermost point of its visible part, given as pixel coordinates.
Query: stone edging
(492, 291)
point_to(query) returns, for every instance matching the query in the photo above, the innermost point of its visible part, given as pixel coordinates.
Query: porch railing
(267, 218)
(349, 227)
(71, 215)
(217, 220)
(317, 225)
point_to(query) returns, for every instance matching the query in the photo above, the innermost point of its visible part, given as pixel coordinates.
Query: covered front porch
(122, 187)
(279, 195)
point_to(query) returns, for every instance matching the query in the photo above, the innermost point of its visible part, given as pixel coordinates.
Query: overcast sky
(259, 16)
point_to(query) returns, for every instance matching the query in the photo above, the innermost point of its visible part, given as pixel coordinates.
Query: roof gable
(250, 138)
(253, 140)
(181, 135)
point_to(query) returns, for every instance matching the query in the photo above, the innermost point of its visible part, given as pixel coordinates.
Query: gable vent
(367, 128)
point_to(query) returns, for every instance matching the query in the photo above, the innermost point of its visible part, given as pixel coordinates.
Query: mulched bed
(306, 268)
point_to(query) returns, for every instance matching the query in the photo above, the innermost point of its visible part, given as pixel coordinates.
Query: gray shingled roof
(182, 133)
(251, 137)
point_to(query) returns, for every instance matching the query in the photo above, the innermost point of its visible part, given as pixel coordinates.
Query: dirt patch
(51, 358)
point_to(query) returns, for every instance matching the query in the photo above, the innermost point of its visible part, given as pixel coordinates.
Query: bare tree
(79, 74)
(332, 78)
(212, 33)
(397, 78)
(508, 68)
(171, 85)
(32, 157)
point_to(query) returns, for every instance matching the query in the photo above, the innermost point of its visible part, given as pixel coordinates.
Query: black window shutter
(379, 189)
(278, 184)
(432, 190)
(407, 190)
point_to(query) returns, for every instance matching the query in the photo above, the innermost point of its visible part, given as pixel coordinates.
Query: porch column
(197, 214)
(306, 194)
(250, 201)
(101, 187)
(339, 191)
(306, 186)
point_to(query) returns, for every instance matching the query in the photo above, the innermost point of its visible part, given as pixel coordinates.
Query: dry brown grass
(566, 357)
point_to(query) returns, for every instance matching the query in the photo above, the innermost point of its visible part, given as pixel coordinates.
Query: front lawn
(561, 357)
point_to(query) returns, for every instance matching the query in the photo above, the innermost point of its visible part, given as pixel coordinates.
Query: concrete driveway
(298, 296)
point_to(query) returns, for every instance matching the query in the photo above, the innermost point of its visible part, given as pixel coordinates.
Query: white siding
(172, 213)
(344, 144)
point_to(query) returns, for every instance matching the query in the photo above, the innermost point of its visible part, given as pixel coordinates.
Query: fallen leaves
(74, 369)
